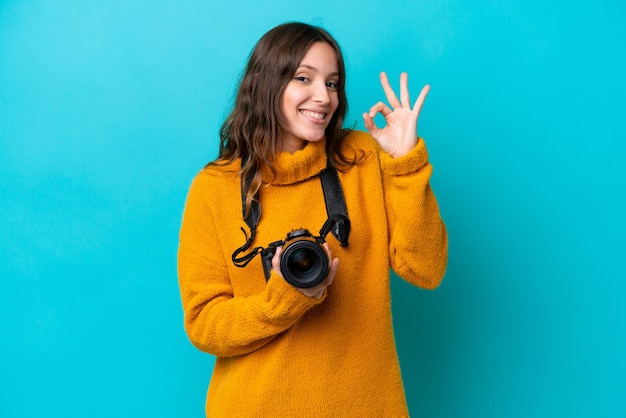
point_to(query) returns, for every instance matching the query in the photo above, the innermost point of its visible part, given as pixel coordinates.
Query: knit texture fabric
(278, 352)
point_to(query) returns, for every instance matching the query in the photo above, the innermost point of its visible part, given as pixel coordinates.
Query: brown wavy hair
(253, 128)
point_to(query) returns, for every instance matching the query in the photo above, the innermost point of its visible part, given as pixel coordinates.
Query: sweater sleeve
(217, 321)
(418, 247)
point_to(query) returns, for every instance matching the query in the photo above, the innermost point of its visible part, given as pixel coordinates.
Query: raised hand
(399, 136)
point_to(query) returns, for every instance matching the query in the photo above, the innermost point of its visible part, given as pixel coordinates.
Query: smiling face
(310, 99)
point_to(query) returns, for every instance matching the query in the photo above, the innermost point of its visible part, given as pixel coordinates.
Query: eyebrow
(312, 68)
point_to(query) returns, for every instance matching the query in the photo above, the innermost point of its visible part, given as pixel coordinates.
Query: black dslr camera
(304, 261)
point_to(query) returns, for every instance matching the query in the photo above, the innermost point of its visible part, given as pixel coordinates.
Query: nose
(320, 93)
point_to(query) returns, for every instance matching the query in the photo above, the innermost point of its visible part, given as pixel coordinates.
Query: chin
(315, 137)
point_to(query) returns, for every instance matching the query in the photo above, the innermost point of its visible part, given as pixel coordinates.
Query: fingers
(276, 261)
(333, 264)
(380, 107)
(405, 98)
(417, 108)
(369, 123)
(404, 90)
(368, 118)
(318, 290)
(389, 93)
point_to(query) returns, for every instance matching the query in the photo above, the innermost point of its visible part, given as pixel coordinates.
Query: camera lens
(304, 263)
(301, 262)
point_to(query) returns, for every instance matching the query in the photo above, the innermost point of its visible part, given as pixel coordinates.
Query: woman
(326, 350)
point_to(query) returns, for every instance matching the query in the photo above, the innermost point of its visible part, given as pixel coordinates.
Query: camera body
(304, 262)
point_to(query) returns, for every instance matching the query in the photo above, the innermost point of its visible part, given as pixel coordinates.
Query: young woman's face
(310, 99)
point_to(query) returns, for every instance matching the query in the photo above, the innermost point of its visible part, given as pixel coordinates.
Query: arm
(418, 240)
(215, 319)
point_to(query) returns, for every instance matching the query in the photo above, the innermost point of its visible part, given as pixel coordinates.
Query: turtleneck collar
(299, 166)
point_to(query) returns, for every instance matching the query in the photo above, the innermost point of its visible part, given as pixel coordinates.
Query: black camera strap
(252, 220)
(337, 223)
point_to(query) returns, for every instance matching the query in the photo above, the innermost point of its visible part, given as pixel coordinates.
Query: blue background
(108, 109)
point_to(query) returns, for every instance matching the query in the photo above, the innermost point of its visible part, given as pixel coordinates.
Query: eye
(301, 79)
(332, 85)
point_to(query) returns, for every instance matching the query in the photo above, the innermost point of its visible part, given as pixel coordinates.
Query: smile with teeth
(313, 114)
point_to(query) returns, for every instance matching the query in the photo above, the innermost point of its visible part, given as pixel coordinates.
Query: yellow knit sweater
(280, 353)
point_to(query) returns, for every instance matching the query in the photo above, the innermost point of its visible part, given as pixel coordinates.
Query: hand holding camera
(307, 265)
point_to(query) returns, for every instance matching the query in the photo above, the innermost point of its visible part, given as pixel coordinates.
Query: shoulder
(214, 191)
(359, 144)
(217, 176)
(359, 140)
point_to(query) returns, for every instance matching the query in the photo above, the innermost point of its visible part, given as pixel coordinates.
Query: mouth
(314, 116)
